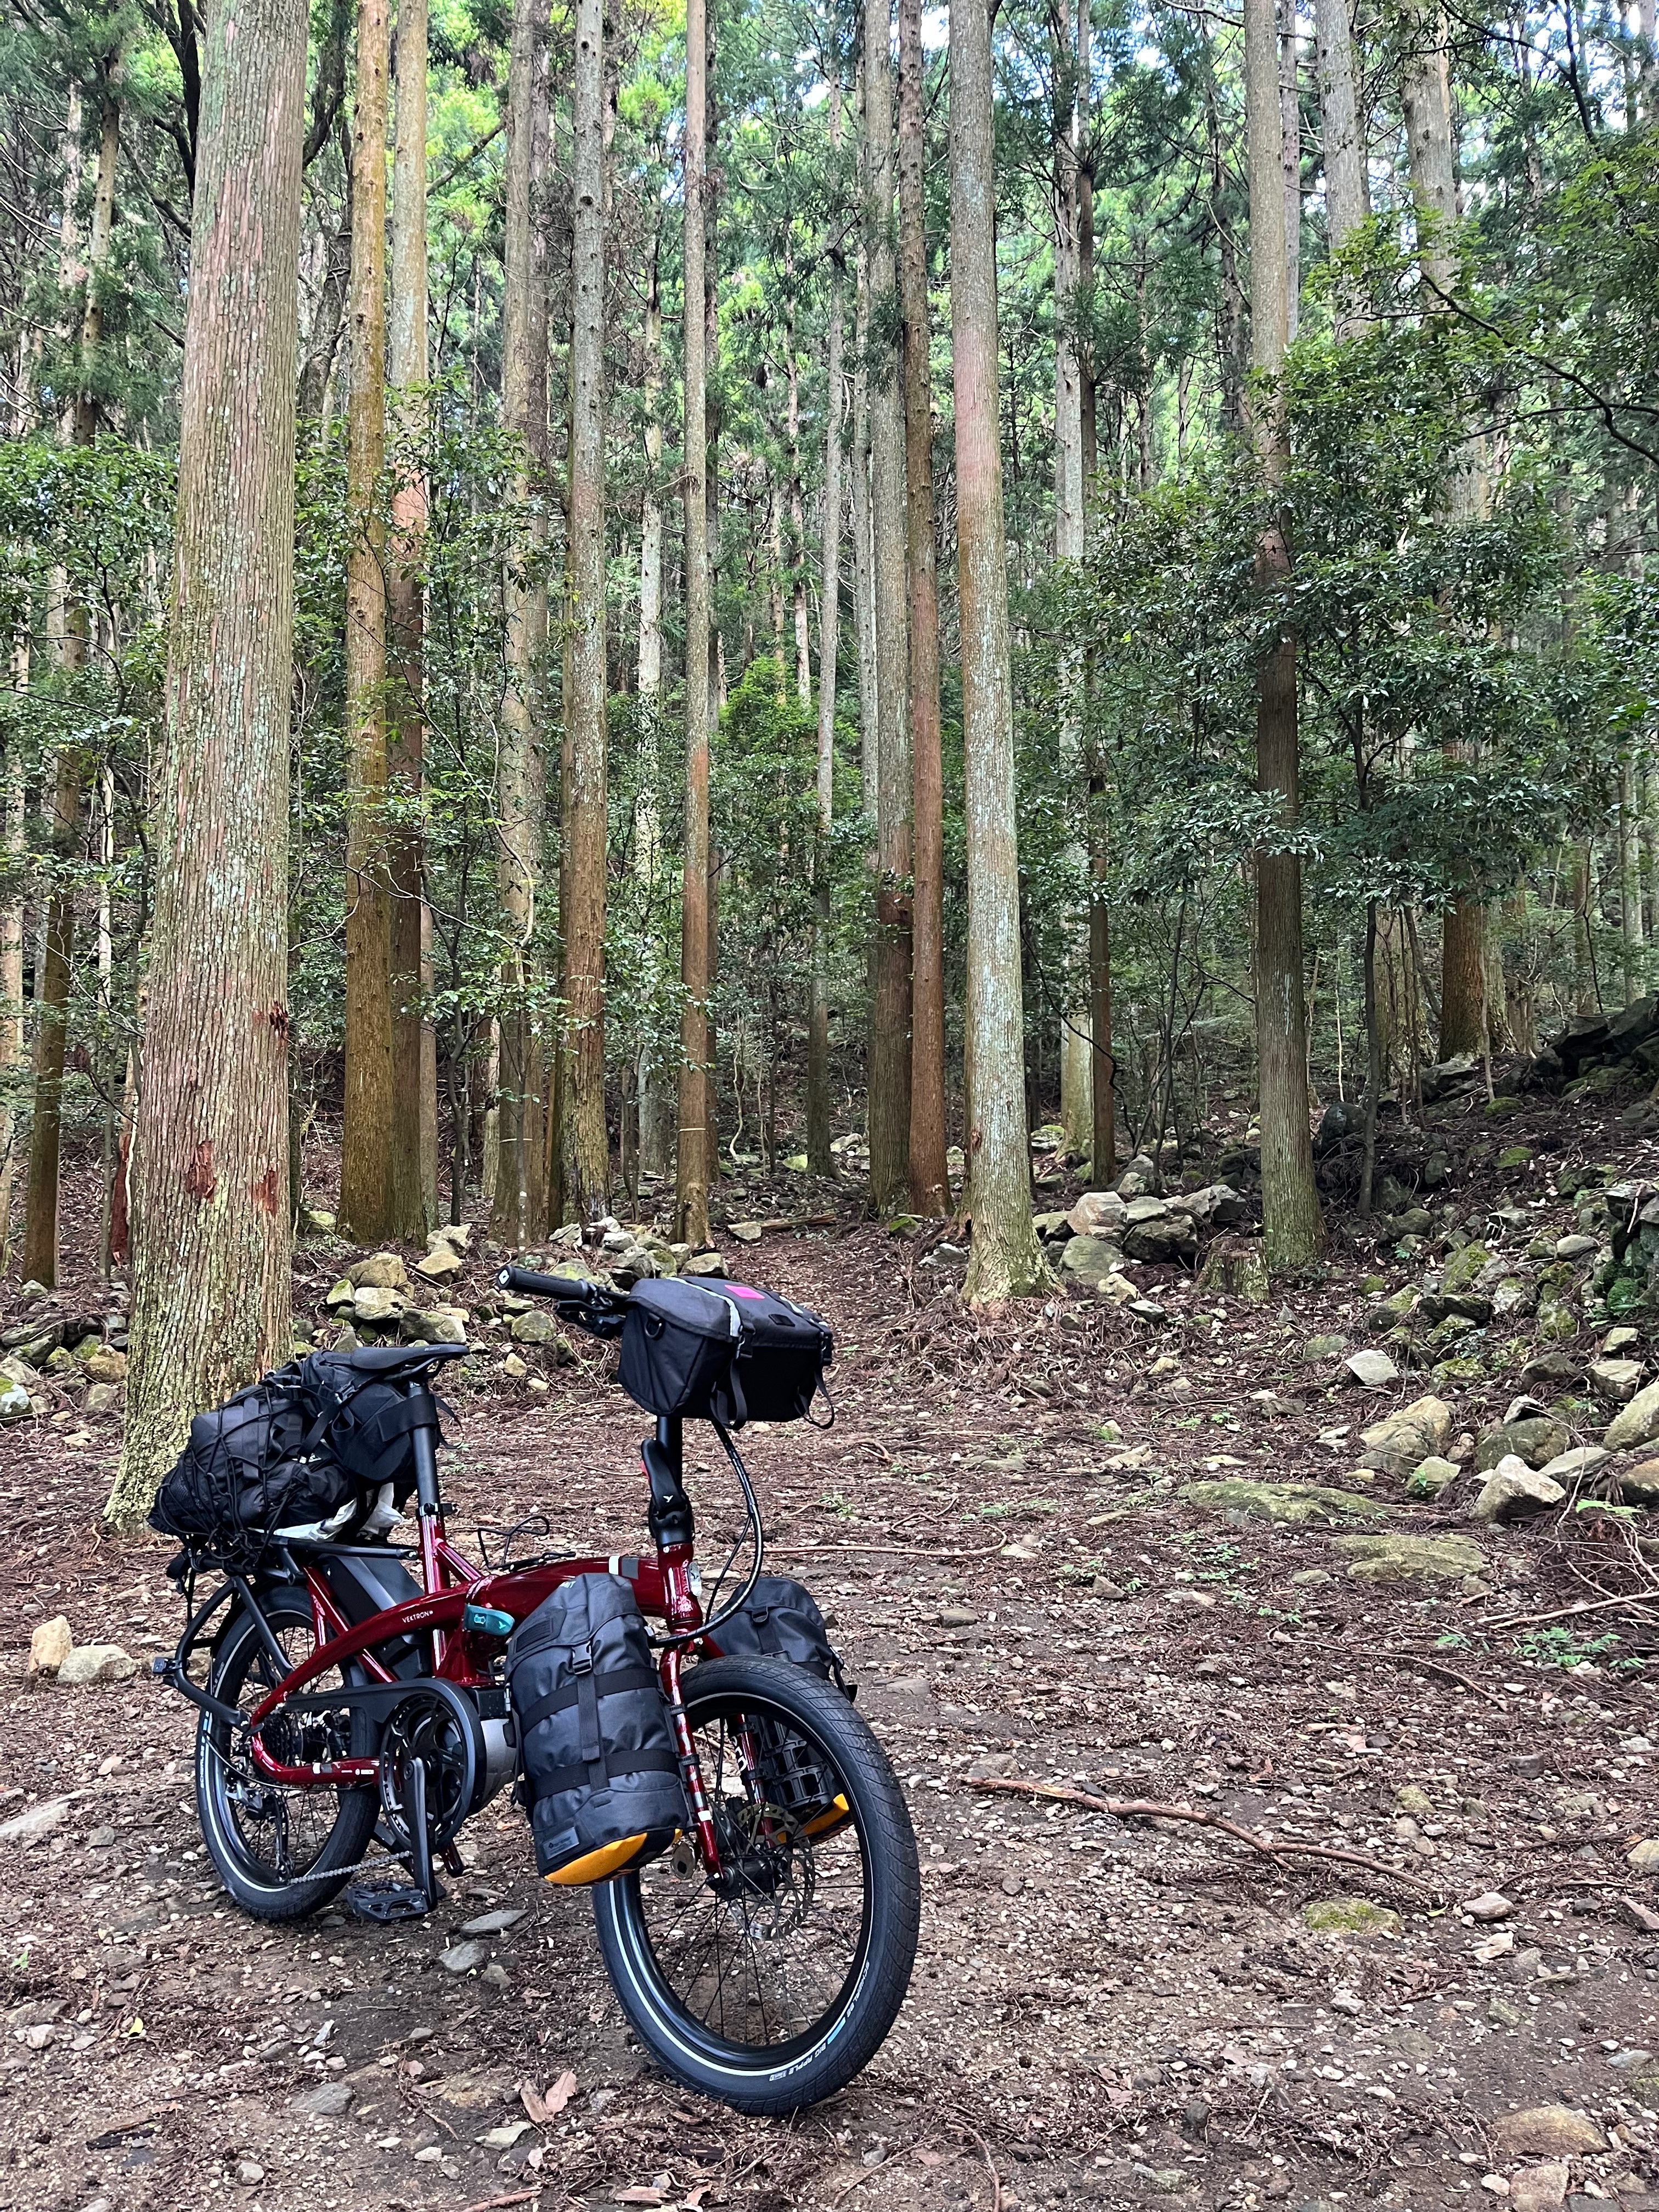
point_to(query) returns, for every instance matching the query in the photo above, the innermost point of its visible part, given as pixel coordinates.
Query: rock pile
(1108, 1230)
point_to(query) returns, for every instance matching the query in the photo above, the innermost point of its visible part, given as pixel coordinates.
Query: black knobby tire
(771, 1999)
(276, 1864)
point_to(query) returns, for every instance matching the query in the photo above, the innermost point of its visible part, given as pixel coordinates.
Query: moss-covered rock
(1294, 1504)
(1350, 1916)
(1464, 1266)
(1391, 1558)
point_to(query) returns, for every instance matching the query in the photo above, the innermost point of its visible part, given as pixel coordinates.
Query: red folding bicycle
(351, 1694)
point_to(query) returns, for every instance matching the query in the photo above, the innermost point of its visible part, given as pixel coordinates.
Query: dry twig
(990, 2163)
(1434, 1667)
(1148, 1808)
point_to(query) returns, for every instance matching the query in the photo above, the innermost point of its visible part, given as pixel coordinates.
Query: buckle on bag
(581, 1658)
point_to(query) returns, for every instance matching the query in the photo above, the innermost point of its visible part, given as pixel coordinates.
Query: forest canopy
(740, 589)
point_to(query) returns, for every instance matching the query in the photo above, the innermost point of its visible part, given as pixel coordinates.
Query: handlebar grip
(570, 1289)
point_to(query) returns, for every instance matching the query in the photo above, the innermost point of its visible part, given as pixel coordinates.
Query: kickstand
(420, 1840)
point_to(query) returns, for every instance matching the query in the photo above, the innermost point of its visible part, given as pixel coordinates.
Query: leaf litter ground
(1105, 2011)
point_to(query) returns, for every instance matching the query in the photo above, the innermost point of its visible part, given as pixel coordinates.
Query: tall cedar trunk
(864, 597)
(930, 1183)
(586, 1148)
(12, 850)
(40, 1256)
(692, 1163)
(1426, 97)
(414, 1048)
(209, 1168)
(797, 504)
(1347, 193)
(1293, 1230)
(890, 1041)
(1006, 1260)
(1630, 879)
(366, 1210)
(819, 1159)
(1076, 1057)
(520, 777)
(1290, 125)
(1102, 1068)
(716, 701)
(656, 1109)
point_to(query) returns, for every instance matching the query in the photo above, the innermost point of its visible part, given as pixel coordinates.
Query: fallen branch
(895, 1550)
(990, 2163)
(1149, 1808)
(492, 2203)
(1451, 1674)
(1567, 1612)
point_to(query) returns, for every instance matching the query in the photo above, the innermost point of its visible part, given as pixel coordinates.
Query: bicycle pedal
(387, 1901)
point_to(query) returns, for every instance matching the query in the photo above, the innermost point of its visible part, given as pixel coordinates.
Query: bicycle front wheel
(771, 1984)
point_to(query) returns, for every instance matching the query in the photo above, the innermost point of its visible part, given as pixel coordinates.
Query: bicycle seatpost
(669, 1516)
(421, 1444)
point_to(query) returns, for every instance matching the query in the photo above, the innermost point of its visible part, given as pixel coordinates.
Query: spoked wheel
(280, 1852)
(771, 1984)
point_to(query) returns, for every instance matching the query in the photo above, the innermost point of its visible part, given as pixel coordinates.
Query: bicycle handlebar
(591, 1305)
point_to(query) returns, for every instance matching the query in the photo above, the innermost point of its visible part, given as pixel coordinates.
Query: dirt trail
(1104, 2012)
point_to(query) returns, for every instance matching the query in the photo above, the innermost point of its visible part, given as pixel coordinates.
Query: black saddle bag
(369, 1426)
(600, 1774)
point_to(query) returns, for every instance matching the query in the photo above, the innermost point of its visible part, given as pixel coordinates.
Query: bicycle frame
(450, 1584)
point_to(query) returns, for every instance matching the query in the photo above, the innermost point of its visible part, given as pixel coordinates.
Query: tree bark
(586, 1148)
(14, 847)
(1007, 1260)
(1290, 124)
(209, 1168)
(656, 1114)
(366, 1210)
(39, 1254)
(414, 1045)
(864, 596)
(930, 1182)
(1347, 192)
(1293, 1230)
(521, 774)
(691, 1198)
(819, 1159)
(1076, 1053)
(1426, 98)
(890, 1041)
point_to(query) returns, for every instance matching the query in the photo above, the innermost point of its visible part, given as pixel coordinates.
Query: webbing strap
(610, 1683)
(630, 1762)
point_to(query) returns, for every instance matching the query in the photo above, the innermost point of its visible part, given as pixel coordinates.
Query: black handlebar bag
(601, 1776)
(713, 1350)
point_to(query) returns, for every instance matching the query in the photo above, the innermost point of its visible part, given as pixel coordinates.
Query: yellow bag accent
(596, 1866)
(831, 1818)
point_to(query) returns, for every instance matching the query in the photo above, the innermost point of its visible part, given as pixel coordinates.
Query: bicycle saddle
(390, 1360)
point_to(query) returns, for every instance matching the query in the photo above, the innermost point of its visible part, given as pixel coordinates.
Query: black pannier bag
(250, 1466)
(713, 1350)
(600, 1774)
(369, 1426)
(780, 1620)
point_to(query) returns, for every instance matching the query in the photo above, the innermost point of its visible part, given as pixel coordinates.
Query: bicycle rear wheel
(771, 1985)
(280, 1853)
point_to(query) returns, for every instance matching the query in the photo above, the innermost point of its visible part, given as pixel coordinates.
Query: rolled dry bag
(780, 1619)
(601, 1775)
